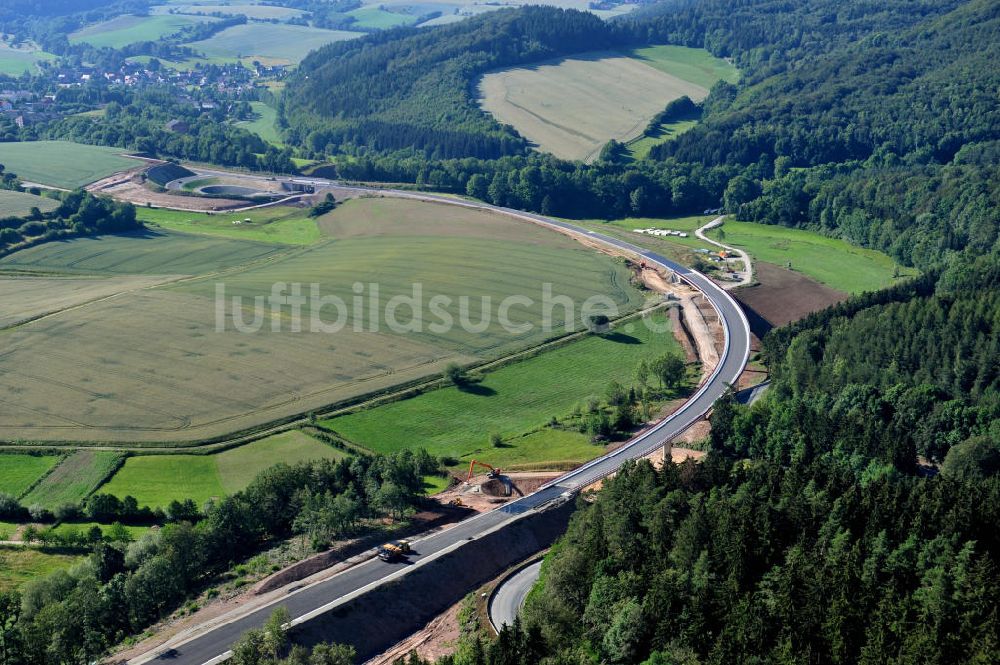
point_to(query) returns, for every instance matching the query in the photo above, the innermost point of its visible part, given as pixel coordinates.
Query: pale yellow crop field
(120, 357)
(573, 106)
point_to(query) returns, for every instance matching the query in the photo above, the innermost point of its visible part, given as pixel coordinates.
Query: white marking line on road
(402, 571)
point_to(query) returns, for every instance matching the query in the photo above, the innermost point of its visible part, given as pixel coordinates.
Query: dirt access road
(746, 274)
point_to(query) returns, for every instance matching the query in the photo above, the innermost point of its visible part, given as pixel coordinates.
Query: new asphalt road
(212, 643)
(509, 597)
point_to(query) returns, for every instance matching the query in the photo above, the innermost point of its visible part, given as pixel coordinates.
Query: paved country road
(509, 597)
(210, 644)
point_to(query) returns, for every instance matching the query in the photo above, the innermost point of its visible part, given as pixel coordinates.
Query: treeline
(809, 533)
(75, 616)
(542, 183)
(414, 88)
(137, 121)
(919, 214)
(79, 214)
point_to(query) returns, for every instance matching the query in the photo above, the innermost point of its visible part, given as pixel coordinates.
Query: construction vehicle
(493, 473)
(394, 551)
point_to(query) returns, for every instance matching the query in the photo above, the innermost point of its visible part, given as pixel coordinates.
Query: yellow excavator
(394, 551)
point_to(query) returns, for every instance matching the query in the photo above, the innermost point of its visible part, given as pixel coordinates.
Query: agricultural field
(124, 30)
(73, 479)
(19, 472)
(830, 261)
(23, 297)
(376, 18)
(572, 107)
(457, 10)
(20, 565)
(264, 124)
(638, 148)
(18, 204)
(456, 261)
(172, 364)
(62, 163)
(279, 225)
(156, 480)
(274, 42)
(152, 252)
(515, 401)
(250, 10)
(693, 65)
(17, 61)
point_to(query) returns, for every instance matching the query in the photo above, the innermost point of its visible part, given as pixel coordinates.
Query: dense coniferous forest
(810, 533)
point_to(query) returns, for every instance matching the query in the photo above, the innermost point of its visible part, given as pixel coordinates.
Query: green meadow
(693, 65)
(156, 480)
(263, 125)
(515, 401)
(18, 472)
(376, 18)
(19, 565)
(831, 261)
(63, 163)
(124, 30)
(279, 225)
(17, 61)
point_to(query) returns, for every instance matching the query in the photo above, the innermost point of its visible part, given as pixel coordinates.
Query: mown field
(63, 163)
(513, 401)
(18, 472)
(165, 364)
(263, 125)
(274, 42)
(830, 261)
(124, 30)
(694, 65)
(73, 479)
(18, 204)
(572, 107)
(156, 480)
(285, 226)
(17, 61)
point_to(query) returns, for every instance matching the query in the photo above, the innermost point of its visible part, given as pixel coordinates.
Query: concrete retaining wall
(379, 619)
